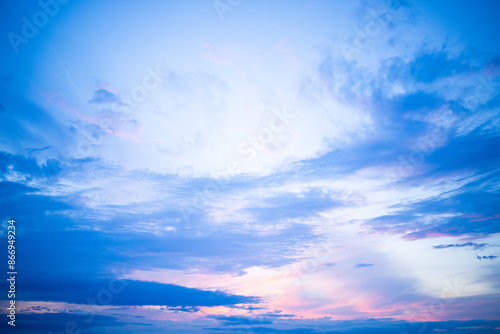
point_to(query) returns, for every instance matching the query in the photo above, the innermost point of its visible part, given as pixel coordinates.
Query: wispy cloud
(484, 257)
(474, 245)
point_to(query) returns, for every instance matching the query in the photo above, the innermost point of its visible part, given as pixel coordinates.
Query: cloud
(466, 207)
(431, 66)
(124, 293)
(27, 323)
(251, 321)
(377, 326)
(56, 322)
(362, 265)
(103, 96)
(25, 126)
(292, 205)
(490, 257)
(235, 320)
(467, 244)
(22, 202)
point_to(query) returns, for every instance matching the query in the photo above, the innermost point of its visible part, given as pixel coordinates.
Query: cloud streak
(475, 246)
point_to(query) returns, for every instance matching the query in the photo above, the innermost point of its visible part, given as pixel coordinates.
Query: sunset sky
(250, 166)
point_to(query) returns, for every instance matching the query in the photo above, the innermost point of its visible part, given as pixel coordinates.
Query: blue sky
(252, 166)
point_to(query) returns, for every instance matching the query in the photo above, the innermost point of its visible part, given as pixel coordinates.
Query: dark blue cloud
(56, 322)
(58, 230)
(368, 326)
(22, 202)
(227, 251)
(467, 244)
(243, 321)
(471, 209)
(477, 151)
(237, 320)
(476, 213)
(64, 253)
(431, 66)
(122, 293)
(254, 329)
(24, 125)
(419, 101)
(103, 96)
(475, 154)
(30, 323)
(362, 265)
(54, 230)
(29, 166)
(490, 257)
(49, 242)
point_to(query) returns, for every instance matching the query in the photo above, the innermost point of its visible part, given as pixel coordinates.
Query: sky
(238, 166)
